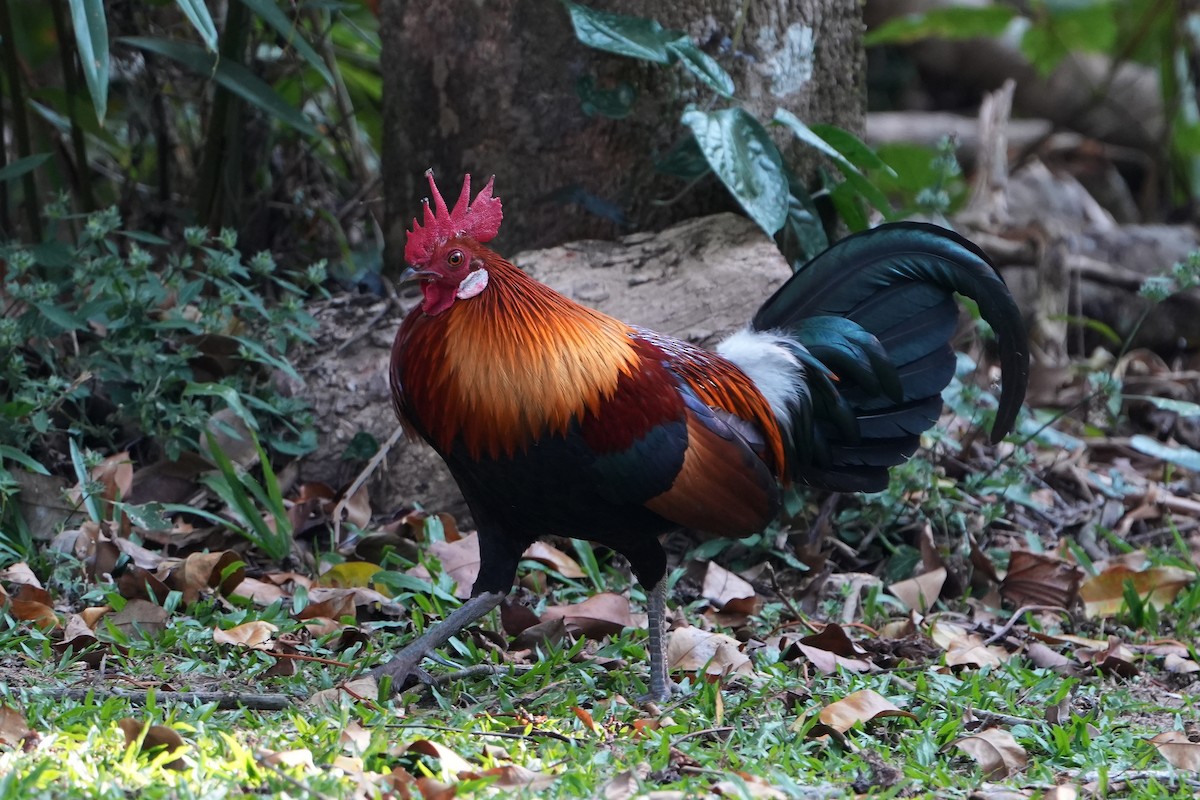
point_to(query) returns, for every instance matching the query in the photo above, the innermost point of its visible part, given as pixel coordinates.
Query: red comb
(479, 220)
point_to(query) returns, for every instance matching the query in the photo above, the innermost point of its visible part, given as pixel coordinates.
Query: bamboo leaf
(13, 454)
(202, 21)
(270, 13)
(22, 165)
(91, 39)
(228, 74)
(1180, 456)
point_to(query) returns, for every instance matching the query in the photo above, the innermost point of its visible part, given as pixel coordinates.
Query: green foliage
(241, 491)
(731, 144)
(102, 340)
(1165, 36)
(225, 113)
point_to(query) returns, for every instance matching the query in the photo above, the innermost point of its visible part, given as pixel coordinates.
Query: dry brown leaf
(333, 607)
(964, 648)
(861, 706)
(748, 786)
(115, 474)
(626, 785)
(1178, 750)
(693, 650)
(1113, 658)
(722, 587)
(202, 571)
(459, 560)
(139, 615)
(1103, 595)
(20, 574)
(1044, 657)
(156, 737)
(452, 762)
(255, 635)
(998, 754)
(261, 592)
(554, 558)
(1180, 665)
(547, 633)
(1038, 579)
(39, 614)
(831, 649)
(512, 776)
(921, 592)
(600, 615)
(586, 718)
(299, 758)
(14, 728)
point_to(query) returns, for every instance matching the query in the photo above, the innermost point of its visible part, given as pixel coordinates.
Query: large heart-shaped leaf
(741, 153)
(636, 37)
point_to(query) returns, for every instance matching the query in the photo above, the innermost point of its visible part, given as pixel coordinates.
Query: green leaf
(228, 74)
(82, 475)
(227, 393)
(612, 103)
(684, 160)
(855, 150)
(13, 454)
(91, 39)
(1184, 457)
(955, 22)
(624, 35)
(197, 13)
(742, 155)
(269, 12)
(22, 165)
(854, 178)
(1181, 407)
(1089, 28)
(803, 235)
(703, 66)
(60, 316)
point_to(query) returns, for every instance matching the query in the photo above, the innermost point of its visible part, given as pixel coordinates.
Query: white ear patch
(473, 284)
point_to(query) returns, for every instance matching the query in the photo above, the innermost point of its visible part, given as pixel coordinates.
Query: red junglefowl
(557, 420)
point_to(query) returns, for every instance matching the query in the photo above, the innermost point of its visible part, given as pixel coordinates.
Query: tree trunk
(492, 88)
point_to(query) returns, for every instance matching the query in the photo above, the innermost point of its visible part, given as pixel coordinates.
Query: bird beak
(412, 274)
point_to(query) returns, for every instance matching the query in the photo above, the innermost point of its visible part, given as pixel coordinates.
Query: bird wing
(686, 435)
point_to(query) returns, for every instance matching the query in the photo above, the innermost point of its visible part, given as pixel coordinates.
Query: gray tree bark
(491, 88)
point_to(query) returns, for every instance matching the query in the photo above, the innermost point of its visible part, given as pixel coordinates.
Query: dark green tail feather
(896, 284)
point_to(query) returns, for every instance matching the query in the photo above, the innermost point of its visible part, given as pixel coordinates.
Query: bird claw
(671, 690)
(404, 672)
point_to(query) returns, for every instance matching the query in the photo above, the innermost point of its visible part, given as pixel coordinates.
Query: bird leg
(661, 685)
(407, 663)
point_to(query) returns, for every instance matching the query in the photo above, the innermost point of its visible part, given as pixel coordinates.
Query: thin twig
(533, 735)
(251, 700)
(1020, 612)
(362, 478)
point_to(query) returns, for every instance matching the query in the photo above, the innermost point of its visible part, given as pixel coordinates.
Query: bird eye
(456, 258)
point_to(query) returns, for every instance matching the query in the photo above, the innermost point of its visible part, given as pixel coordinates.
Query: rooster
(557, 420)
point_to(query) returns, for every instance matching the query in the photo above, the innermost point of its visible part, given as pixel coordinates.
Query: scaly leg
(661, 685)
(407, 663)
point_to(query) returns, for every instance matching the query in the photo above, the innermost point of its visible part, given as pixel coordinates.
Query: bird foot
(405, 673)
(661, 694)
